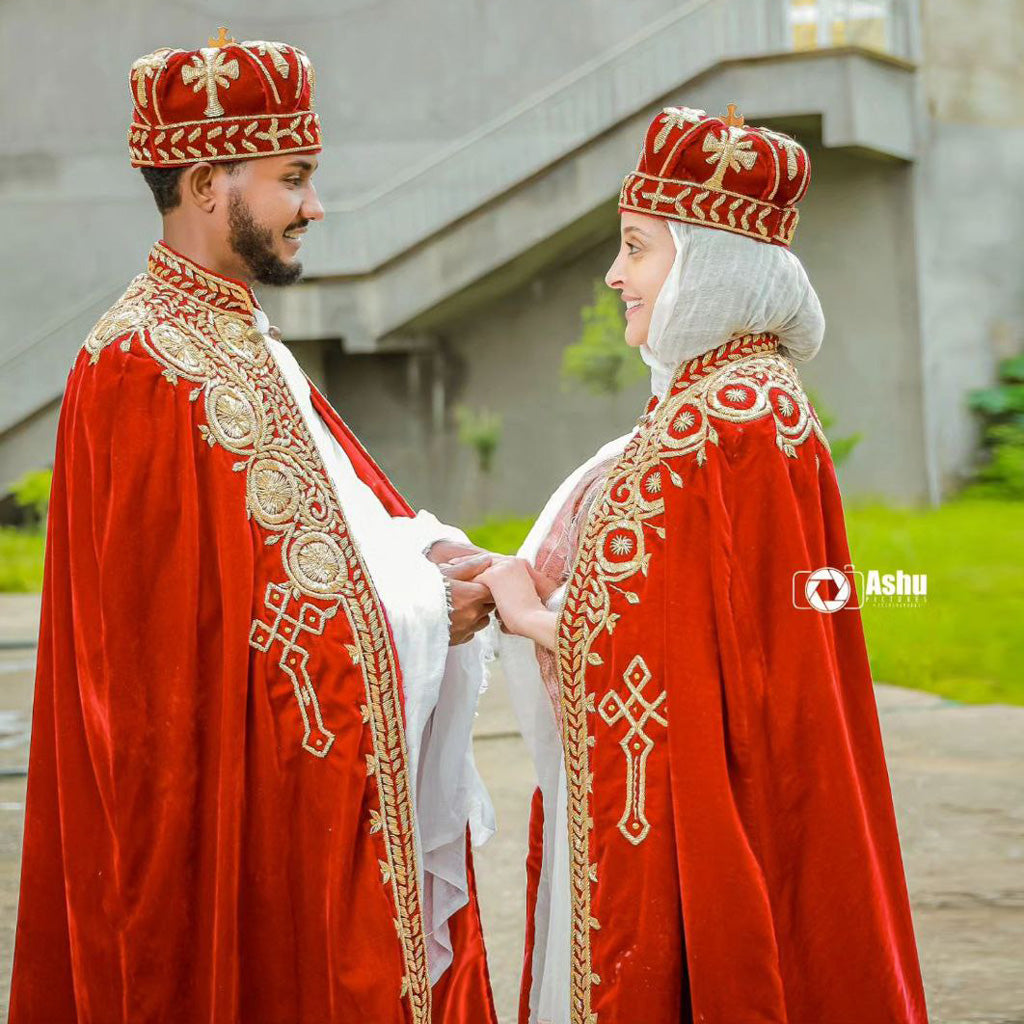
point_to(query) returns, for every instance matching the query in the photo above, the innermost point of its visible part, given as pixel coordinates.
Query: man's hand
(472, 603)
(443, 551)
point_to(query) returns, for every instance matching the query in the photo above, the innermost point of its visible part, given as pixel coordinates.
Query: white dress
(441, 684)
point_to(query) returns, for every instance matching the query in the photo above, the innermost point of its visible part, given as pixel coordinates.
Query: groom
(249, 673)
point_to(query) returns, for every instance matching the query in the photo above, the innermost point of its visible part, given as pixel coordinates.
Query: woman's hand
(521, 609)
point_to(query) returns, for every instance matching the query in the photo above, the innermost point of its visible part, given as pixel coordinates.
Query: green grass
(21, 560)
(501, 534)
(966, 641)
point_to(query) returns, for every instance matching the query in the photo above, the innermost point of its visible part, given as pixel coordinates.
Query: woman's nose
(614, 276)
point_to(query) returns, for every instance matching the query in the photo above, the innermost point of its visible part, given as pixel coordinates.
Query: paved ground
(958, 781)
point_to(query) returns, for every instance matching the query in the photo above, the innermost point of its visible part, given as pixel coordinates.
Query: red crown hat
(226, 101)
(717, 172)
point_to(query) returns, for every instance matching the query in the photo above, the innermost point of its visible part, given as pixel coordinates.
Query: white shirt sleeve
(441, 685)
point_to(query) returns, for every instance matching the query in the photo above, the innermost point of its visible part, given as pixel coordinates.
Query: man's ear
(197, 187)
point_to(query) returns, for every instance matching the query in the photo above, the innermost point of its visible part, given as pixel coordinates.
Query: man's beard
(255, 244)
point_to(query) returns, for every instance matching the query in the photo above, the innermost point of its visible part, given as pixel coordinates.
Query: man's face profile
(270, 202)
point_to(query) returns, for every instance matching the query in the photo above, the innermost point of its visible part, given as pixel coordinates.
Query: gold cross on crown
(222, 39)
(732, 119)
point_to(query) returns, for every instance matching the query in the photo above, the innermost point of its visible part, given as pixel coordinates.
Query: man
(250, 783)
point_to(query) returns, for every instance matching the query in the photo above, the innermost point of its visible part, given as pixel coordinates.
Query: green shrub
(1001, 408)
(32, 494)
(479, 430)
(842, 447)
(600, 361)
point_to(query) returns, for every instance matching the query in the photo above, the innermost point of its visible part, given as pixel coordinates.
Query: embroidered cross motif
(791, 148)
(145, 68)
(657, 197)
(211, 71)
(732, 119)
(730, 151)
(676, 117)
(221, 39)
(637, 710)
(286, 629)
(273, 50)
(273, 134)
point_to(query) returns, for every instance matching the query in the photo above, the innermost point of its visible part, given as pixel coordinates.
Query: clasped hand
(482, 581)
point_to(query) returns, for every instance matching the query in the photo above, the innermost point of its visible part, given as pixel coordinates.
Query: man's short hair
(165, 183)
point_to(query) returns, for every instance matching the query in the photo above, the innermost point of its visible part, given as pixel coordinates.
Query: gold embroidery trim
(686, 206)
(743, 380)
(250, 412)
(224, 138)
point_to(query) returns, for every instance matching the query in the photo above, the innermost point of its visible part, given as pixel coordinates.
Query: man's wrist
(449, 600)
(441, 551)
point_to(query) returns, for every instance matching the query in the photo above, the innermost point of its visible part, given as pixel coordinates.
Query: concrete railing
(380, 225)
(360, 236)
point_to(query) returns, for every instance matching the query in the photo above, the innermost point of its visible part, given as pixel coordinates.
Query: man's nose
(312, 208)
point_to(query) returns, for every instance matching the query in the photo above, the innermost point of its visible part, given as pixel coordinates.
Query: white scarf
(723, 286)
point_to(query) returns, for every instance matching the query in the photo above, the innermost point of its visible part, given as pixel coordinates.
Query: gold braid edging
(741, 381)
(251, 413)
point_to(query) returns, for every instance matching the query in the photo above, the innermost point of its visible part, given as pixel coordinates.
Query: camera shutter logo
(813, 589)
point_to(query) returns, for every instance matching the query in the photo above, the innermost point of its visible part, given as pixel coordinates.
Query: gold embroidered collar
(735, 348)
(223, 293)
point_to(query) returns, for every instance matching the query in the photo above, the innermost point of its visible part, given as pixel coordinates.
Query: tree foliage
(599, 361)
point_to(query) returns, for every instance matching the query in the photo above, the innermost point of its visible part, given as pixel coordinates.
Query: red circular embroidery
(736, 396)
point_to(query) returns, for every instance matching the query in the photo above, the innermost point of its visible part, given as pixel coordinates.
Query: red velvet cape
(218, 825)
(733, 849)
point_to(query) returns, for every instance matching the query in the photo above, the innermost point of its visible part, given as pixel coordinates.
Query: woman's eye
(631, 248)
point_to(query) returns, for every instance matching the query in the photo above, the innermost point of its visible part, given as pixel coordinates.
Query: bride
(712, 837)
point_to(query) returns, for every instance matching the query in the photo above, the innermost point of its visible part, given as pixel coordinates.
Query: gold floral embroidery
(790, 147)
(741, 381)
(198, 327)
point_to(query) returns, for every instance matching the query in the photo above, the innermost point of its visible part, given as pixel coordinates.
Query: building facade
(473, 156)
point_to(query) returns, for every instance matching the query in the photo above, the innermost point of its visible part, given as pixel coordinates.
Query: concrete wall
(969, 213)
(396, 81)
(853, 238)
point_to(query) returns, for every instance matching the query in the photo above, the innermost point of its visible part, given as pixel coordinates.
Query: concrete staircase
(520, 191)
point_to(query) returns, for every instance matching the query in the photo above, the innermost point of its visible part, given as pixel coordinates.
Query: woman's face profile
(645, 256)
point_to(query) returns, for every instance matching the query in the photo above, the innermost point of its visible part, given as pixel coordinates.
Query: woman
(713, 837)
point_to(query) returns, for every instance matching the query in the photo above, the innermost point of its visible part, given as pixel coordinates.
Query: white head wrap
(723, 286)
